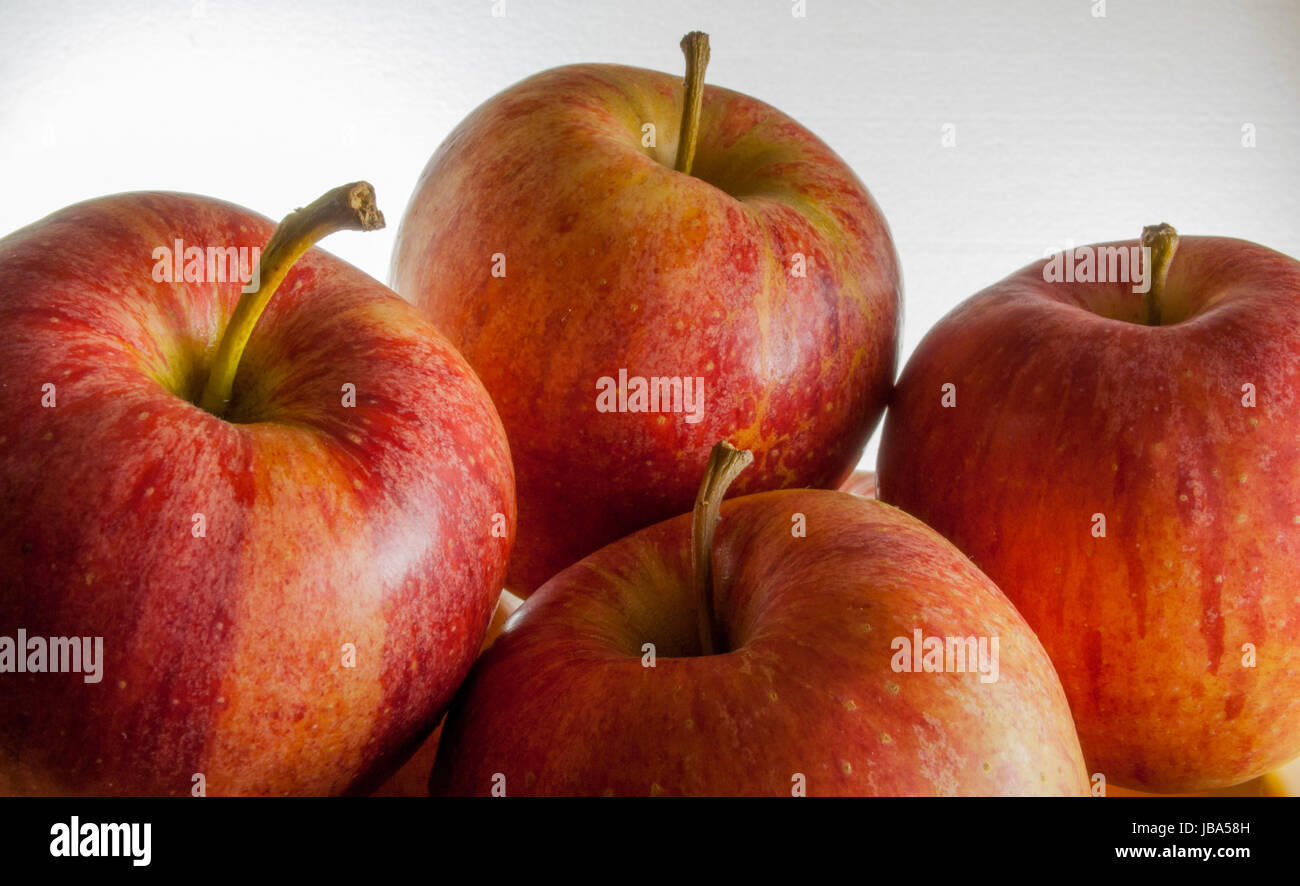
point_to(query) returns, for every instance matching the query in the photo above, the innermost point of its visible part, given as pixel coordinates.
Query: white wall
(1068, 126)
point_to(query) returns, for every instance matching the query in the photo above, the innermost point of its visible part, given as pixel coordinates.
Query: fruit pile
(259, 513)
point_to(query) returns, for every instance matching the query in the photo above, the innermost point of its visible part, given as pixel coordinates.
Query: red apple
(554, 240)
(787, 679)
(288, 587)
(1127, 468)
(412, 779)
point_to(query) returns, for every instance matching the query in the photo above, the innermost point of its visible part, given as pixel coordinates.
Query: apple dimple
(1200, 280)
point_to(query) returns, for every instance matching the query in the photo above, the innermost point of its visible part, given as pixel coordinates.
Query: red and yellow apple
(566, 232)
(762, 661)
(288, 584)
(1126, 467)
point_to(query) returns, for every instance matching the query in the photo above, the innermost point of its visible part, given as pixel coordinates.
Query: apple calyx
(695, 46)
(346, 208)
(1163, 242)
(725, 464)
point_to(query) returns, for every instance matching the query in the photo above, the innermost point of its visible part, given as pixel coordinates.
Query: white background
(1069, 127)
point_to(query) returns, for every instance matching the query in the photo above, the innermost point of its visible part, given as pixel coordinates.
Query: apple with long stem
(1126, 466)
(279, 524)
(764, 655)
(638, 267)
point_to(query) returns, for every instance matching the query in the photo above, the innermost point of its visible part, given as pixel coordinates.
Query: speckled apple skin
(614, 260)
(325, 525)
(562, 704)
(1062, 413)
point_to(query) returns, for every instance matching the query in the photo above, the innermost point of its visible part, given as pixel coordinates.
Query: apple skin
(412, 779)
(1253, 788)
(1284, 782)
(562, 704)
(614, 260)
(325, 525)
(1062, 413)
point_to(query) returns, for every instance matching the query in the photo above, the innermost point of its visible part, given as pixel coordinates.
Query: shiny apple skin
(325, 525)
(1063, 413)
(562, 704)
(615, 260)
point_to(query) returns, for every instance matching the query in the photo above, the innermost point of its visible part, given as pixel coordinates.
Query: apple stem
(346, 208)
(695, 46)
(725, 464)
(1163, 240)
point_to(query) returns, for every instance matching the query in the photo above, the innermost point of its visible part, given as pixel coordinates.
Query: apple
(277, 589)
(412, 779)
(1126, 467)
(597, 234)
(769, 659)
